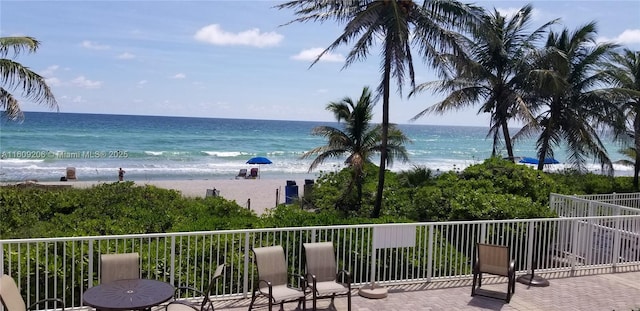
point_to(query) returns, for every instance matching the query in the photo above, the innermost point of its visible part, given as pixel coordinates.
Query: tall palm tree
(567, 93)
(359, 140)
(624, 75)
(14, 76)
(396, 26)
(490, 73)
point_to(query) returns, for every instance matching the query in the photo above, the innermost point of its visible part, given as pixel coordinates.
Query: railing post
(530, 244)
(574, 244)
(617, 241)
(430, 229)
(172, 275)
(247, 248)
(90, 272)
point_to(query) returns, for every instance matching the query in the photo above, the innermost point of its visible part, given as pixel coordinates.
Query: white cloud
(629, 36)
(141, 83)
(83, 82)
(94, 45)
(312, 54)
(53, 81)
(179, 76)
(126, 55)
(78, 99)
(49, 71)
(214, 34)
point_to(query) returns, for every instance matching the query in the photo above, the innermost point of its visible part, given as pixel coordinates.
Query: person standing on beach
(121, 174)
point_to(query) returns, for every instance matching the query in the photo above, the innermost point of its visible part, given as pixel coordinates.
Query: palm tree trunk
(636, 137)
(377, 207)
(544, 148)
(507, 141)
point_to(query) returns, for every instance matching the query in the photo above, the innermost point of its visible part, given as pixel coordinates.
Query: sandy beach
(257, 194)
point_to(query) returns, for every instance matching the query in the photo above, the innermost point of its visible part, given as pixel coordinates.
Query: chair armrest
(345, 274)
(57, 300)
(267, 283)
(301, 279)
(512, 266)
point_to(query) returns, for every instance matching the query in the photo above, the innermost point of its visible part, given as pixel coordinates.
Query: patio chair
(273, 278)
(242, 173)
(205, 304)
(115, 267)
(12, 300)
(322, 275)
(71, 173)
(493, 259)
(253, 173)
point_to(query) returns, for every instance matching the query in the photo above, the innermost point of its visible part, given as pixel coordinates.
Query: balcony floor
(585, 290)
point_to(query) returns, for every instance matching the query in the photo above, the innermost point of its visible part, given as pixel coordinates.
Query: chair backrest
(243, 172)
(206, 302)
(215, 278)
(271, 264)
(119, 267)
(10, 294)
(254, 172)
(320, 260)
(493, 259)
(71, 173)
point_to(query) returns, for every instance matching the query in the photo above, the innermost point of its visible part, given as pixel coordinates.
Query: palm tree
(624, 75)
(491, 73)
(571, 107)
(14, 76)
(359, 140)
(396, 26)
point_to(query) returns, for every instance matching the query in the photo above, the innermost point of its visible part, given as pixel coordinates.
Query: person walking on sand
(121, 174)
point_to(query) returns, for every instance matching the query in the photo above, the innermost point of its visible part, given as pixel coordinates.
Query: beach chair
(322, 274)
(253, 173)
(12, 300)
(115, 267)
(190, 305)
(71, 173)
(273, 279)
(242, 173)
(493, 259)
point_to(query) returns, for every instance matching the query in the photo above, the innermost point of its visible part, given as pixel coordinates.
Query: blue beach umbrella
(528, 160)
(259, 161)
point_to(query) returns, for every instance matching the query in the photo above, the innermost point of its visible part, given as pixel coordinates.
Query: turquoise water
(152, 147)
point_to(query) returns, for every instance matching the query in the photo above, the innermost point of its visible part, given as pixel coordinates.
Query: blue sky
(232, 59)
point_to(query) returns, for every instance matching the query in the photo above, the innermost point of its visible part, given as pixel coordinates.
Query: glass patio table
(132, 294)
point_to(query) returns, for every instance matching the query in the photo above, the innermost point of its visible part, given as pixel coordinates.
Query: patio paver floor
(585, 291)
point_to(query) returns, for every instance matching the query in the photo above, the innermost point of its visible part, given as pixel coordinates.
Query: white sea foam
(223, 154)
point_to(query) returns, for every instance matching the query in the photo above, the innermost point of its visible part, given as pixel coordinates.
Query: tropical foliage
(624, 74)
(567, 93)
(490, 72)
(395, 27)
(359, 141)
(15, 76)
(495, 189)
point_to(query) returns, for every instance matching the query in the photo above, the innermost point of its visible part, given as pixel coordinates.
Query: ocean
(159, 148)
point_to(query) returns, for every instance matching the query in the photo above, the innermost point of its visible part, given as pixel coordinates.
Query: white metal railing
(65, 267)
(595, 205)
(623, 199)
